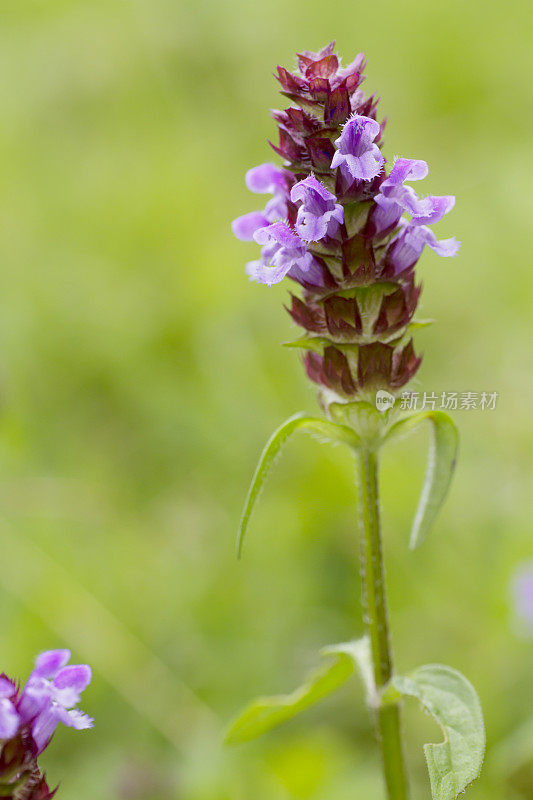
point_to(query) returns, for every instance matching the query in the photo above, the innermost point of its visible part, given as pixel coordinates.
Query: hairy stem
(376, 620)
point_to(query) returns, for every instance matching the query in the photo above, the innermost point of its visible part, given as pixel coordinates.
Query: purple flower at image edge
(51, 693)
(9, 718)
(29, 717)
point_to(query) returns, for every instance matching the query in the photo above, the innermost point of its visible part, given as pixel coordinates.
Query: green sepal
(355, 216)
(319, 343)
(416, 324)
(453, 703)
(265, 713)
(330, 431)
(440, 467)
(404, 334)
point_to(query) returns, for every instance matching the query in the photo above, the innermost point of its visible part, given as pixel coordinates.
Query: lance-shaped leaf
(266, 713)
(330, 431)
(452, 701)
(440, 467)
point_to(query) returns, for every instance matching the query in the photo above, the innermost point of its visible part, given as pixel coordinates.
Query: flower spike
(346, 230)
(350, 232)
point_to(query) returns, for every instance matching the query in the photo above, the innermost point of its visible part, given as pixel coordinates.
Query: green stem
(376, 620)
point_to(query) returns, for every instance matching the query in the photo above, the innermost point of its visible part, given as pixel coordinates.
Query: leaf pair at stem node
(440, 467)
(442, 691)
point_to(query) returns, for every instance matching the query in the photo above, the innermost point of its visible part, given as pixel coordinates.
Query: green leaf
(452, 701)
(360, 652)
(440, 467)
(266, 713)
(330, 431)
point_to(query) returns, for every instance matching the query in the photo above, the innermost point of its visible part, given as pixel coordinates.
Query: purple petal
(74, 719)
(244, 227)
(432, 209)
(9, 719)
(34, 698)
(405, 169)
(309, 186)
(406, 248)
(310, 227)
(49, 662)
(403, 252)
(358, 131)
(276, 208)
(337, 160)
(44, 726)
(443, 247)
(312, 274)
(318, 214)
(386, 213)
(265, 178)
(424, 210)
(282, 251)
(357, 156)
(268, 275)
(370, 164)
(7, 687)
(77, 677)
(280, 233)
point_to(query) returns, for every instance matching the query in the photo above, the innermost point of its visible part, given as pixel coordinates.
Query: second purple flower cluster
(29, 717)
(51, 693)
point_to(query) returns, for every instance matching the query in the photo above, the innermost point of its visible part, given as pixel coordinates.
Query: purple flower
(394, 198)
(244, 227)
(283, 251)
(50, 694)
(318, 215)
(523, 595)
(406, 248)
(357, 155)
(29, 718)
(9, 718)
(264, 179)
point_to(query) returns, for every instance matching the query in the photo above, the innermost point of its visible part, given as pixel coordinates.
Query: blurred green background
(141, 374)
